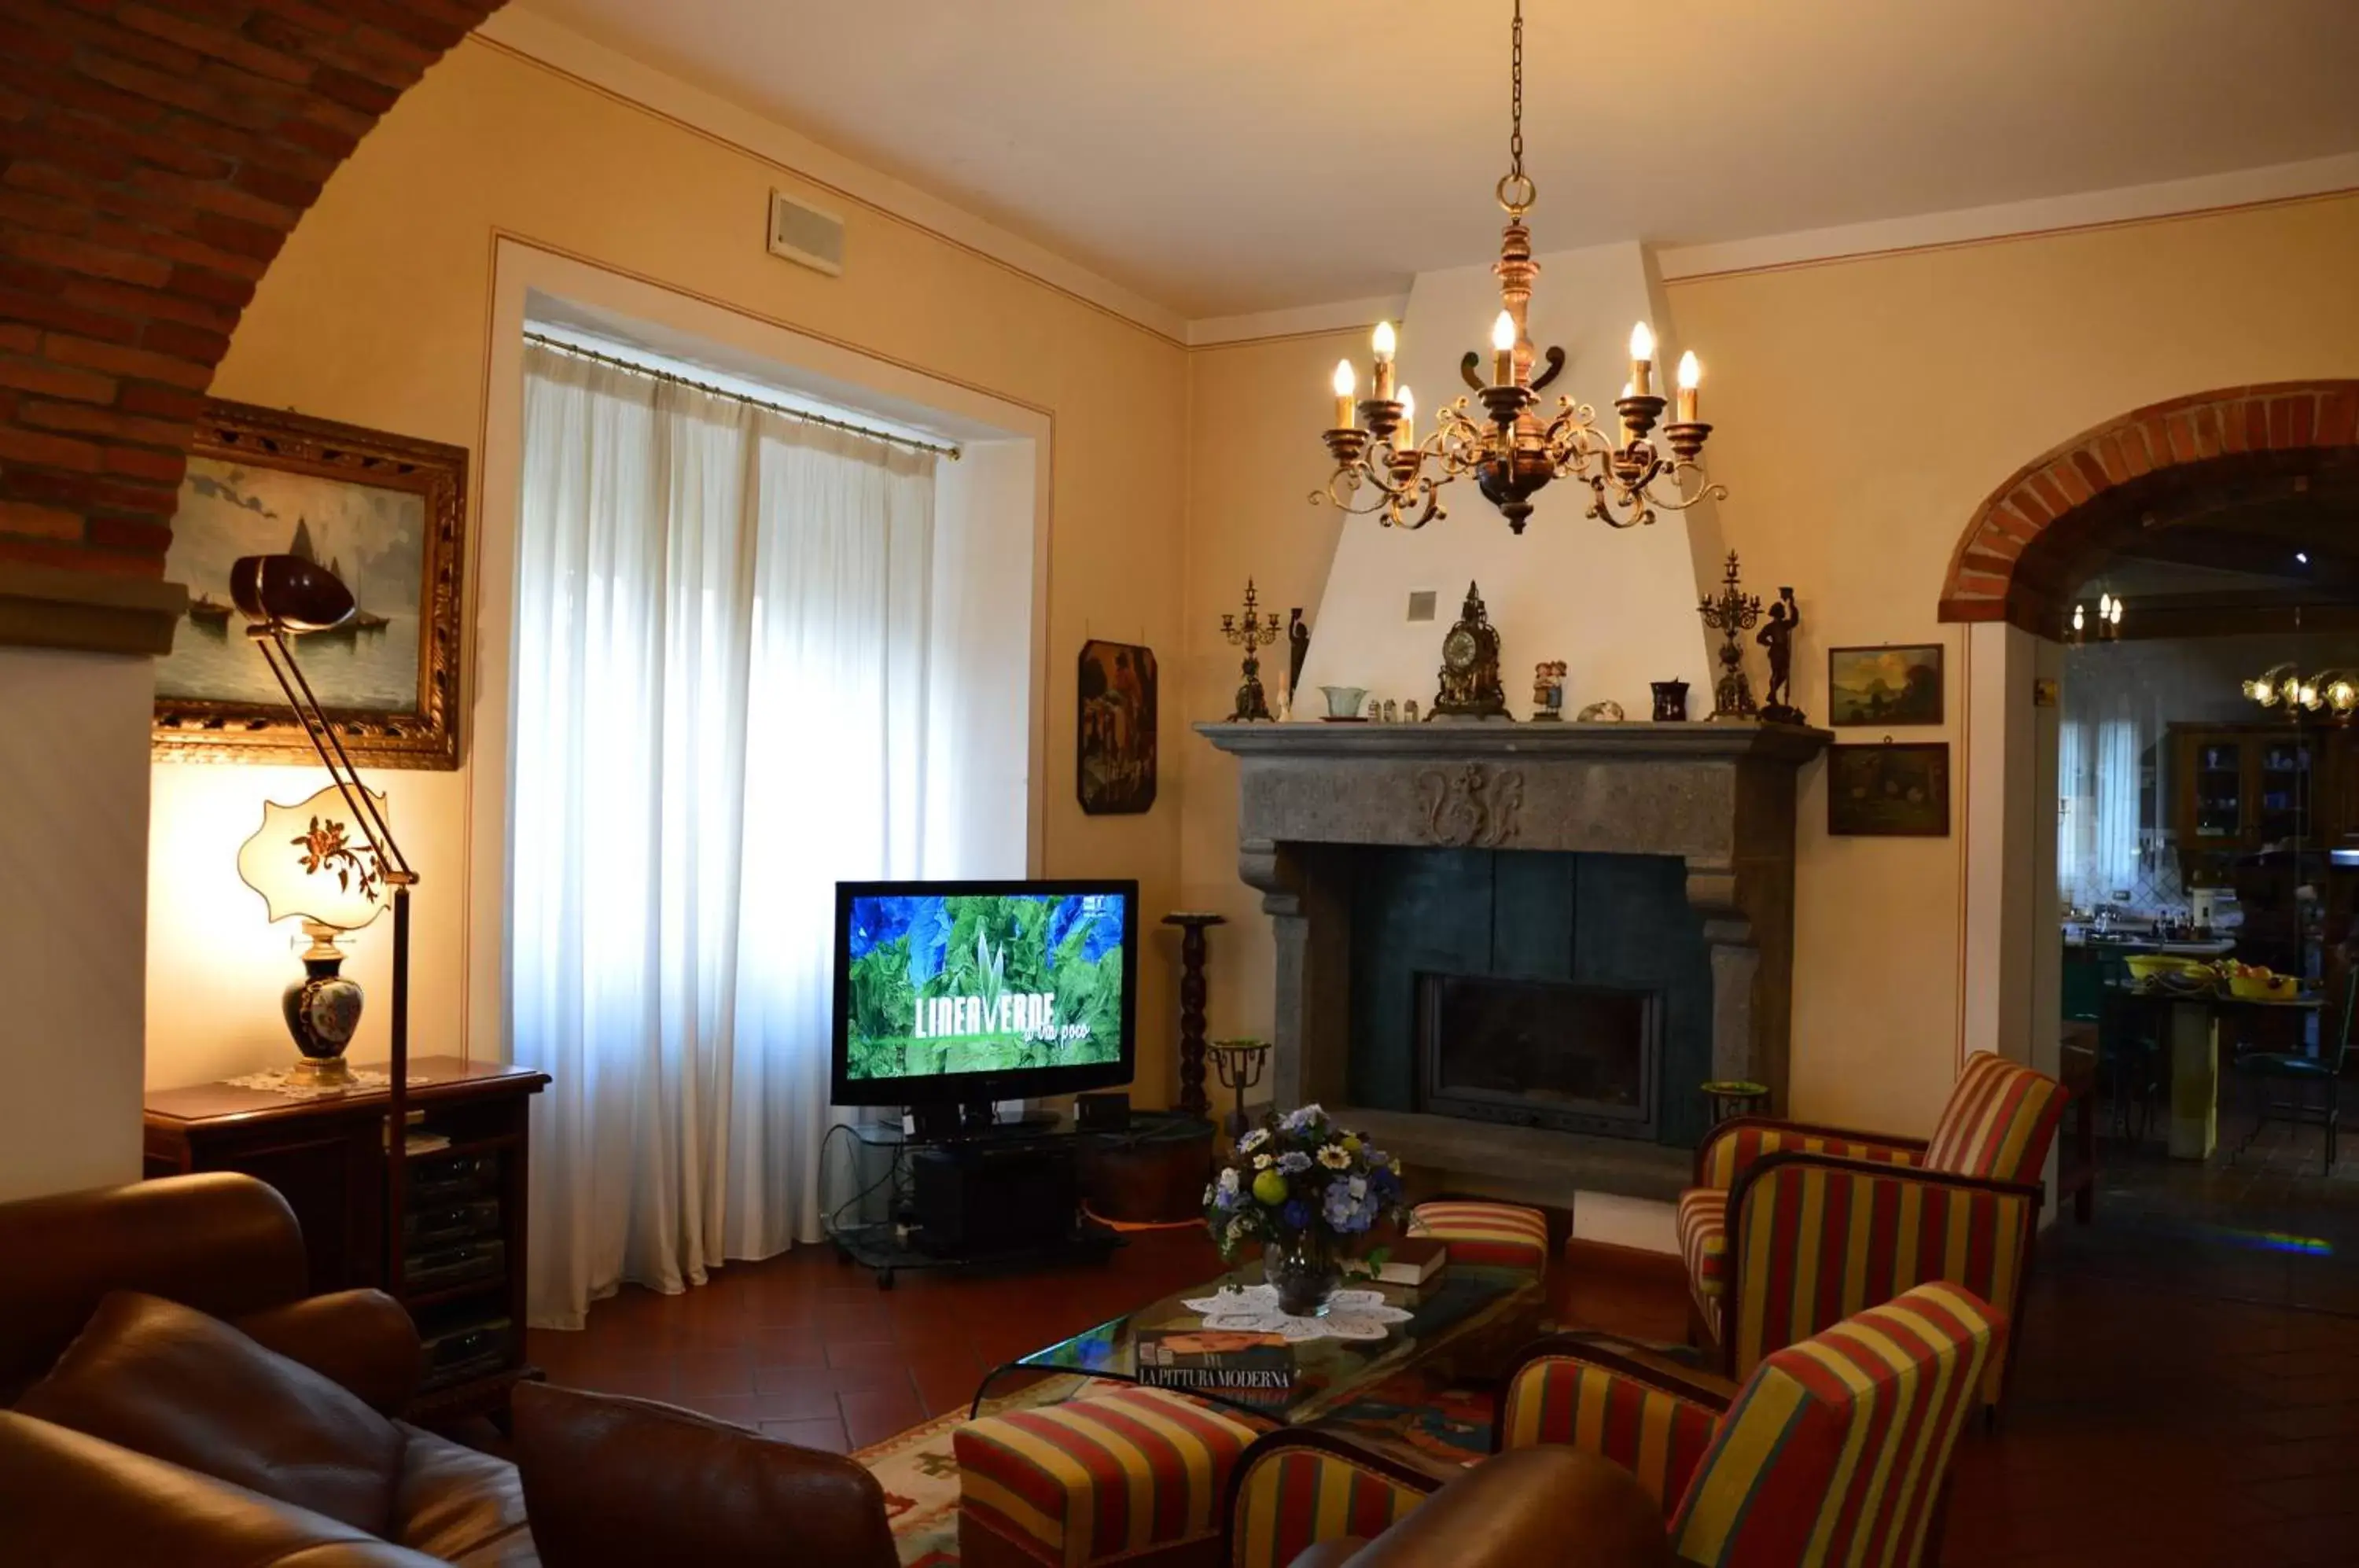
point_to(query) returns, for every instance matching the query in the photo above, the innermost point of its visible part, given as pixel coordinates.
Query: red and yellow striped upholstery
(1655, 1434)
(1999, 1122)
(1704, 1244)
(1112, 1476)
(1815, 1244)
(1289, 1499)
(1836, 1449)
(1500, 1235)
(1775, 1255)
(1735, 1147)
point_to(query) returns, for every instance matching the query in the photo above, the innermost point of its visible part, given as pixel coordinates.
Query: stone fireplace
(1513, 952)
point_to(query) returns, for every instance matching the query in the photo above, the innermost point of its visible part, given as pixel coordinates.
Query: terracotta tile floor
(2187, 1393)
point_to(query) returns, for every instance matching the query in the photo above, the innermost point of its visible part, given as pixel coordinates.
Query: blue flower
(876, 922)
(930, 937)
(1295, 1216)
(1061, 916)
(1296, 1120)
(1104, 933)
(1294, 1162)
(1347, 1214)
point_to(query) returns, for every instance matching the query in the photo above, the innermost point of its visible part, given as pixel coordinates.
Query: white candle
(1690, 376)
(1502, 351)
(1642, 360)
(1344, 415)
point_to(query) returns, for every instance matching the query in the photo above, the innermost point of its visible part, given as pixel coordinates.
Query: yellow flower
(1334, 1159)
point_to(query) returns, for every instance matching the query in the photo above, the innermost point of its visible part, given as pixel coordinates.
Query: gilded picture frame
(388, 513)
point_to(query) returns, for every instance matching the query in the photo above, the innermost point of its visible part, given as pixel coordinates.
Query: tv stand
(997, 1193)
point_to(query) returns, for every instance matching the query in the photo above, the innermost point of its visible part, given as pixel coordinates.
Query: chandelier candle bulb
(1406, 437)
(1642, 361)
(1344, 415)
(1691, 377)
(1502, 351)
(1387, 341)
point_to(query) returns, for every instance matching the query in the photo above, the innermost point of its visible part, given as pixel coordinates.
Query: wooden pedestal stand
(1193, 1100)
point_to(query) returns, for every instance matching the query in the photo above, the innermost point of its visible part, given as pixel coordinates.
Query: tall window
(722, 707)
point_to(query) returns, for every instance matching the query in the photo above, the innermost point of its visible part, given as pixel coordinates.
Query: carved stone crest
(1470, 807)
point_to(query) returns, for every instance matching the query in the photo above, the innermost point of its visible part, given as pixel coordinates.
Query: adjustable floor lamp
(285, 596)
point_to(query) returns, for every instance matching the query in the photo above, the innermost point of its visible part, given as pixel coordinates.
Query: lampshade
(312, 862)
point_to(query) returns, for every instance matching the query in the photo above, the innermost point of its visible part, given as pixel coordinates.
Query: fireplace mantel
(1718, 795)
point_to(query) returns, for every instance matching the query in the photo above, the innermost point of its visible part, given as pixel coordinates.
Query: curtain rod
(561, 346)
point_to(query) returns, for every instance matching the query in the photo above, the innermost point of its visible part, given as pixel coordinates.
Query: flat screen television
(965, 993)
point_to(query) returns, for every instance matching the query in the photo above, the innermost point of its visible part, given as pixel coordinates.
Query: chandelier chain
(1515, 97)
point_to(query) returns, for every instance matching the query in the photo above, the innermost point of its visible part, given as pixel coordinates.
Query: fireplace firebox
(1539, 1054)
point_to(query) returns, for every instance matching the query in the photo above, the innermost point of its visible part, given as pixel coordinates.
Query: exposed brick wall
(2014, 557)
(154, 155)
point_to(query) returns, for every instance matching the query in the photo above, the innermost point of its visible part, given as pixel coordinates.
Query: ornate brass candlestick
(1732, 615)
(1253, 633)
(1239, 1064)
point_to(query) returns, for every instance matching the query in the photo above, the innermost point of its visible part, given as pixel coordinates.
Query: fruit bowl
(2264, 987)
(2156, 965)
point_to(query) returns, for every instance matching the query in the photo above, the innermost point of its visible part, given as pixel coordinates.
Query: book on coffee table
(1249, 1368)
(1413, 1260)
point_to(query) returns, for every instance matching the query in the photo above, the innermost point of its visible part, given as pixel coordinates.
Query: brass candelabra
(1732, 612)
(1253, 633)
(1512, 448)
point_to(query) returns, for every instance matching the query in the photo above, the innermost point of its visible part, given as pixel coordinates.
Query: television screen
(962, 992)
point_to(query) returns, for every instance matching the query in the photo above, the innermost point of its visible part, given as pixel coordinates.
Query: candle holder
(1239, 1063)
(1193, 1101)
(1253, 633)
(1731, 614)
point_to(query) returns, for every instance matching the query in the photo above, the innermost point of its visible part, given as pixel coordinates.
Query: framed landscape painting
(1885, 685)
(1889, 790)
(388, 515)
(1114, 771)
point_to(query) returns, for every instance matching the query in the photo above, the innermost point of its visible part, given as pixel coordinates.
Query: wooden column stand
(1193, 1100)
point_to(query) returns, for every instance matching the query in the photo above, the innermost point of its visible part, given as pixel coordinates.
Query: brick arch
(2020, 553)
(154, 156)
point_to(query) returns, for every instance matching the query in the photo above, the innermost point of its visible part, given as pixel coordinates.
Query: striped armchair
(1836, 1450)
(1792, 1228)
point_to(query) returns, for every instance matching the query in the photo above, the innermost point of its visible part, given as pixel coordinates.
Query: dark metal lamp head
(288, 593)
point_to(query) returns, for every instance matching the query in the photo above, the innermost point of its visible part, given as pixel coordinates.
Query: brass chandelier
(1511, 448)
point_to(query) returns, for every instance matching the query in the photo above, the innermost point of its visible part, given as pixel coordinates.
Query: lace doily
(1253, 1309)
(285, 1081)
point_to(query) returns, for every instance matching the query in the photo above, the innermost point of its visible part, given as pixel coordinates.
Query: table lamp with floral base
(308, 863)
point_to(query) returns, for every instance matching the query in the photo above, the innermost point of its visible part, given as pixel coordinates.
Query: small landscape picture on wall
(1885, 685)
(1889, 790)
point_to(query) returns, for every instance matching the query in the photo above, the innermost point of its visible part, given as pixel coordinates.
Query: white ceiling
(1226, 157)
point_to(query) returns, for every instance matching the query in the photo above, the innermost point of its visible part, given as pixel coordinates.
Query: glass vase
(1305, 1273)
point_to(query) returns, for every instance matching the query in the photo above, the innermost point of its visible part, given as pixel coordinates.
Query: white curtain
(2114, 867)
(720, 701)
(2076, 826)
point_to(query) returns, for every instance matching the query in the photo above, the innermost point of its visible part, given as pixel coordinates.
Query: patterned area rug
(919, 1474)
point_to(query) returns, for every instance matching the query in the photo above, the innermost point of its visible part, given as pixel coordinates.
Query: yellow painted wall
(1254, 457)
(379, 314)
(1861, 411)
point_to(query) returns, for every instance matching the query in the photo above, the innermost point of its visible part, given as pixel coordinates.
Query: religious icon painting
(1114, 732)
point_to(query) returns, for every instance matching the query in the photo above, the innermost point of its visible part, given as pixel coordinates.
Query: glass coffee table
(1465, 1323)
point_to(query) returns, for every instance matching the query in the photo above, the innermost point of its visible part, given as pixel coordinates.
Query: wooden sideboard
(463, 1218)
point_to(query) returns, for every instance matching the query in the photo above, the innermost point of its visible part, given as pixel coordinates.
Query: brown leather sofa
(172, 1396)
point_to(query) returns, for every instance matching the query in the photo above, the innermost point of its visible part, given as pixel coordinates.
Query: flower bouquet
(1308, 1191)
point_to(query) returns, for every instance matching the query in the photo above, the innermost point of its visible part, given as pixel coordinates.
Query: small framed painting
(1888, 791)
(387, 515)
(1891, 685)
(1114, 731)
